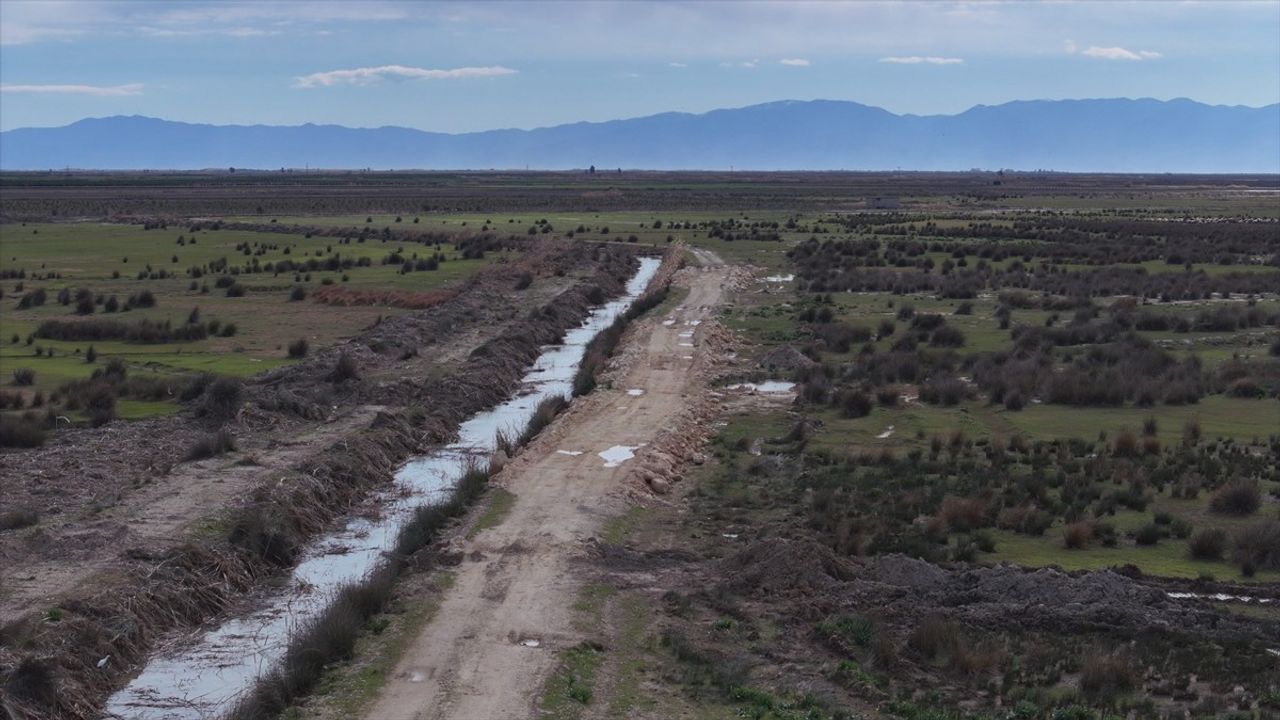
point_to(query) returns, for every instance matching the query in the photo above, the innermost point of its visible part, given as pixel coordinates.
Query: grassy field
(111, 261)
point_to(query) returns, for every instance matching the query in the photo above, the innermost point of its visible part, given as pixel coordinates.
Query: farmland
(1030, 427)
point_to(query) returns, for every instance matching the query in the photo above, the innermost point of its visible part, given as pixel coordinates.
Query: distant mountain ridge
(1111, 135)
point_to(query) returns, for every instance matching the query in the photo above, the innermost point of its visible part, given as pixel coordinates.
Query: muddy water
(204, 678)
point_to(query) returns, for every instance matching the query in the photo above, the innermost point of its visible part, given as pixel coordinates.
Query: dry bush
(1126, 443)
(298, 348)
(1237, 497)
(1077, 535)
(24, 376)
(964, 514)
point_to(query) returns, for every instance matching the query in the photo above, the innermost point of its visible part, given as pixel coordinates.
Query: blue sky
(455, 67)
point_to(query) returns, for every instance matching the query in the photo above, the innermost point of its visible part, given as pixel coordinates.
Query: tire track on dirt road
(496, 635)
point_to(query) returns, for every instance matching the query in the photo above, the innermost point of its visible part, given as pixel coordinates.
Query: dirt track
(496, 635)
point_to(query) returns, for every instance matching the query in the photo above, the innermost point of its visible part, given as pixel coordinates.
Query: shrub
(33, 681)
(297, 294)
(854, 404)
(15, 519)
(91, 355)
(1236, 497)
(100, 403)
(1105, 675)
(1148, 534)
(298, 348)
(344, 369)
(1257, 545)
(24, 376)
(852, 629)
(934, 637)
(235, 290)
(1207, 544)
(221, 398)
(947, 336)
(546, 412)
(211, 445)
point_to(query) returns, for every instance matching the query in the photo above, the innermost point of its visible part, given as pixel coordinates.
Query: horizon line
(313, 123)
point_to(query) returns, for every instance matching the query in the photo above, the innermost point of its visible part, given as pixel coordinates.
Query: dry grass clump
(1105, 675)
(344, 296)
(939, 640)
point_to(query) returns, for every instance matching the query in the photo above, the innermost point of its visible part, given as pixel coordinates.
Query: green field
(107, 259)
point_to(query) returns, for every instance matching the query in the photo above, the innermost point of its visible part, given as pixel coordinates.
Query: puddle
(780, 278)
(693, 323)
(204, 679)
(687, 334)
(417, 676)
(1220, 597)
(768, 386)
(573, 453)
(635, 392)
(887, 432)
(618, 454)
(668, 323)
(686, 357)
(531, 643)
(686, 344)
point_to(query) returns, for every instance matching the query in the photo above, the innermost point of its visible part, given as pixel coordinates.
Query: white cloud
(367, 75)
(95, 90)
(1069, 46)
(1118, 53)
(794, 62)
(677, 65)
(917, 60)
(750, 64)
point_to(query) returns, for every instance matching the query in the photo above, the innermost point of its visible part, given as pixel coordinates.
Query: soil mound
(776, 566)
(786, 358)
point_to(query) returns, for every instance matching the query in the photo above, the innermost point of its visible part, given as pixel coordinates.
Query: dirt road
(496, 635)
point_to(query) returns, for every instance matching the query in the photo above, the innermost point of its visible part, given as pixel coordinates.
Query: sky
(459, 67)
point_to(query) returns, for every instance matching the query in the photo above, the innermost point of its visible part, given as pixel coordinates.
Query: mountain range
(1105, 135)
